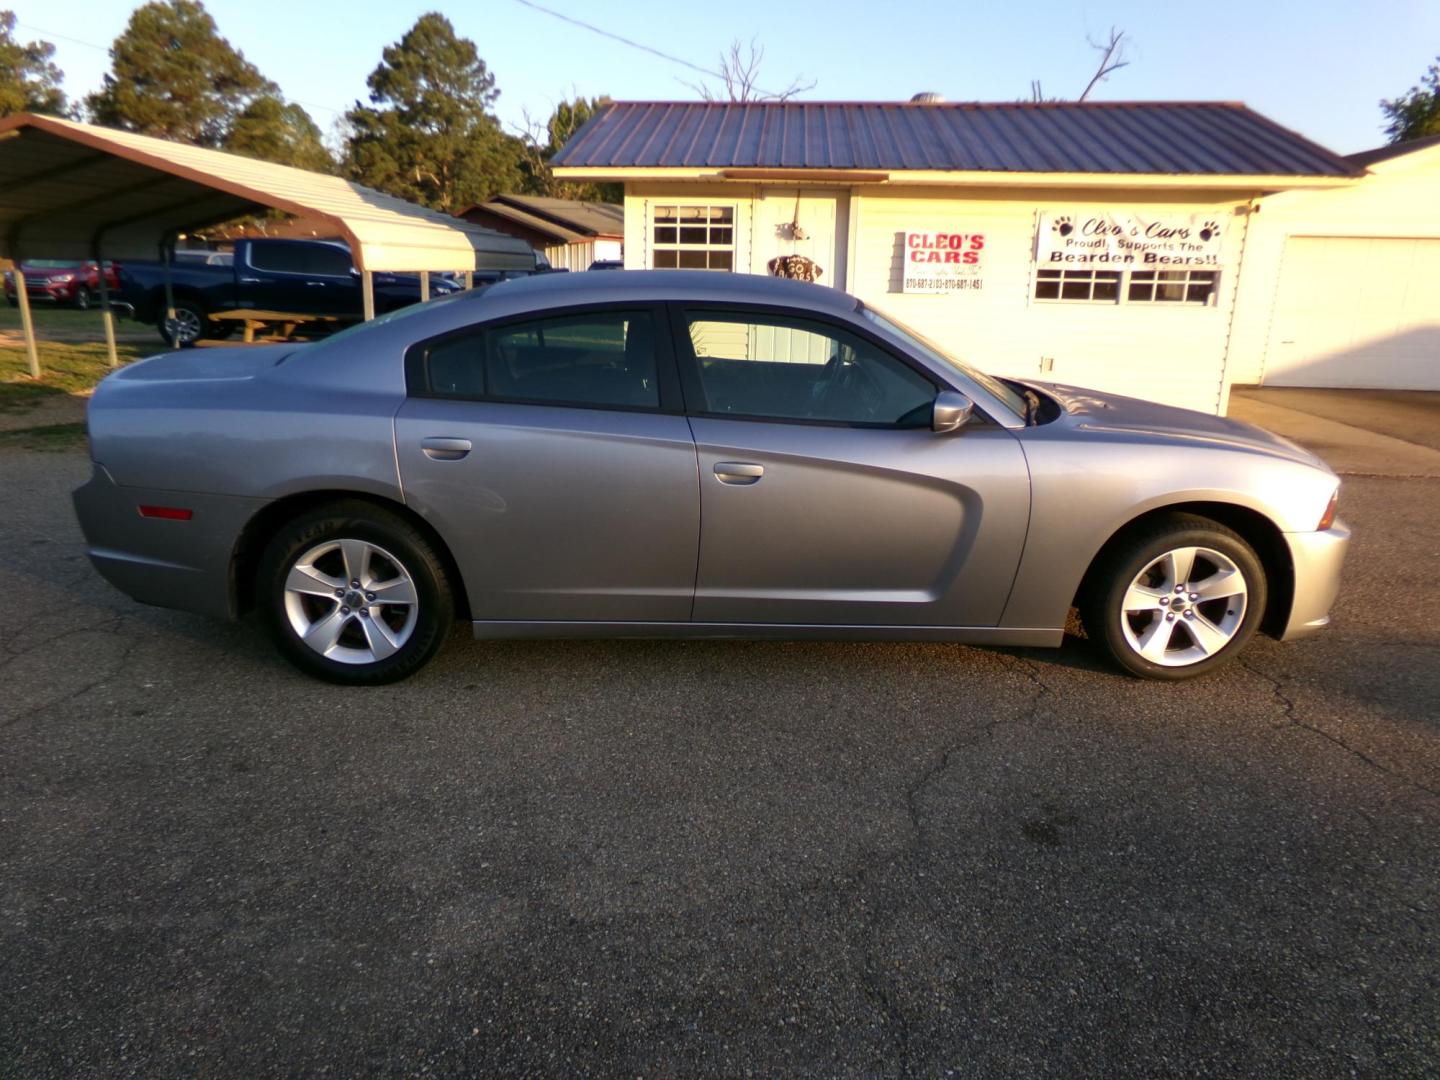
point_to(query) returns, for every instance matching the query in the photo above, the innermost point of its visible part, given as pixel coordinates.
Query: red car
(61, 281)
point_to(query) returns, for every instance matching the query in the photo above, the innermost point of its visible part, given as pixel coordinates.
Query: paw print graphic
(1209, 229)
(1063, 225)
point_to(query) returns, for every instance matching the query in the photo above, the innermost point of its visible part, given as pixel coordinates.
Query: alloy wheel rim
(185, 326)
(351, 601)
(1184, 606)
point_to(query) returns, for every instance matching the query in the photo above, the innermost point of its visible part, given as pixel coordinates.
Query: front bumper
(174, 564)
(46, 294)
(1316, 558)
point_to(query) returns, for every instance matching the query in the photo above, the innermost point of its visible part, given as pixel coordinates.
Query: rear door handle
(444, 449)
(738, 472)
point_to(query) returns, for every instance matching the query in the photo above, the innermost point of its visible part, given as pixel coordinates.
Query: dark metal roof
(1394, 150)
(1171, 138)
(564, 221)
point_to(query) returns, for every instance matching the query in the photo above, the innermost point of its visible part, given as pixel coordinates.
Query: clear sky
(1318, 66)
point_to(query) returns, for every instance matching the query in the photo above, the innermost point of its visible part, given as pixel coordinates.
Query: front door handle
(444, 449)
(738, 472)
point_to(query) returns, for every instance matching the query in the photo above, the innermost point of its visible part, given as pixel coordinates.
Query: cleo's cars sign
(943, 262)
(1139, 241)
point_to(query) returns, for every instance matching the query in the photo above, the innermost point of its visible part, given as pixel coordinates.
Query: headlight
(61, 279)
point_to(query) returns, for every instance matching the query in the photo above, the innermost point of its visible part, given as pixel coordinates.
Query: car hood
(1101, 412)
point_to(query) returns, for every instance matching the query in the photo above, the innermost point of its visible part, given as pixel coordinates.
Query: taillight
(167, 513)
(1328, 518)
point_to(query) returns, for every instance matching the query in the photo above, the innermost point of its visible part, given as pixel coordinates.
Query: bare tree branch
(739, 77)
(1112, 58)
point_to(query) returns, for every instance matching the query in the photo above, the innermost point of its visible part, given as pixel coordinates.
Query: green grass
(48, 317)
(65, 368)
(51, 438)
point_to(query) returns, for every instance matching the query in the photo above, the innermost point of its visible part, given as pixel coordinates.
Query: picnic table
(287, 322)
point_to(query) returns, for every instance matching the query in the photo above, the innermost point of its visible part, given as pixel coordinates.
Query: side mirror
(952, 411)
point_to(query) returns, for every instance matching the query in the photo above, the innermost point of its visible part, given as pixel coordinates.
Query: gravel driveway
(705, 858)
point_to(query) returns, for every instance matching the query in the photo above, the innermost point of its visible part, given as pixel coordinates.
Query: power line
(626, 41)
(62, 37)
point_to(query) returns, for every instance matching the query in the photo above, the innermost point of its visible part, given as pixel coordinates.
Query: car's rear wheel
(1177, 599)
(354, 594)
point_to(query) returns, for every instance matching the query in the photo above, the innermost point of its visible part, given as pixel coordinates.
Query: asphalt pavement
(707, 858)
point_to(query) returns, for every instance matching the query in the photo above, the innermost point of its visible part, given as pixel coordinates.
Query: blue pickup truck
(310, 277)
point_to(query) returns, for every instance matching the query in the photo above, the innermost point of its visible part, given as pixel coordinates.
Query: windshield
(1013, 401)
(52, 264)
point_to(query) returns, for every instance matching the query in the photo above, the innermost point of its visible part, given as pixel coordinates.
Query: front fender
(1086, 490)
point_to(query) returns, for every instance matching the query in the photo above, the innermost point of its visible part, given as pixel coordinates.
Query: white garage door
(1357, 312)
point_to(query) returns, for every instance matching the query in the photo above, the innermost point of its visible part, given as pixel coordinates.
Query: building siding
(1399, 200)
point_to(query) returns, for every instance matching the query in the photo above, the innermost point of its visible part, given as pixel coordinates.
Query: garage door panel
(1357, 312)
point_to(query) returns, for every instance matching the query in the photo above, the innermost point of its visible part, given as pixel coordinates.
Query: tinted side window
(280, 258)
(601, 358)
(795, 369)
(327, 261)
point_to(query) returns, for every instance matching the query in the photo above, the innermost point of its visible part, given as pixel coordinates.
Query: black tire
(1107, 585)
(398, 545)
(188, 314)
(83, 299)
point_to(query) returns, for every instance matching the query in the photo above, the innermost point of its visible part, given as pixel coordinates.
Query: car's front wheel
(354, 594)
(1176, 599)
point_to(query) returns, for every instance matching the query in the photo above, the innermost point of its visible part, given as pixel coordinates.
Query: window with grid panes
(1101, 286)
(693, 238)
(1172, 286)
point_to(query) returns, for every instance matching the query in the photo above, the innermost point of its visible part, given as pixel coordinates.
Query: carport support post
(424, 285)
(367, 294)
(27, 322)
(173, 336)
(106, 315)
(469, 280)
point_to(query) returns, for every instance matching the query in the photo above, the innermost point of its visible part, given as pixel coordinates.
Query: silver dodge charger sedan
(686, 454)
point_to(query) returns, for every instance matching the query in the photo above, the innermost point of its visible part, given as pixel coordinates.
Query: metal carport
(76, 191)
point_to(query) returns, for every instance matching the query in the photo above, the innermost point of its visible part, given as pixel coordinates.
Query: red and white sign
(943, 262)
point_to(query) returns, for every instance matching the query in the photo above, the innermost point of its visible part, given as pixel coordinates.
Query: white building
(571, 234)
(1104, 244)
(1342, 287)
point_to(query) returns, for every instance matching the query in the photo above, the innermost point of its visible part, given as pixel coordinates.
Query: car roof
(556, 289)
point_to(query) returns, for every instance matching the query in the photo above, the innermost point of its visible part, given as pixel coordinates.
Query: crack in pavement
(870, 978)
(127, 648)
(1290, 713)
(105, 626)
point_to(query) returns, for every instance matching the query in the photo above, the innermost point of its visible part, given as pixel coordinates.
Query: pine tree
(173, 75)
(275, 130)
(29, 80)
(427, 134)
(568, 118)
